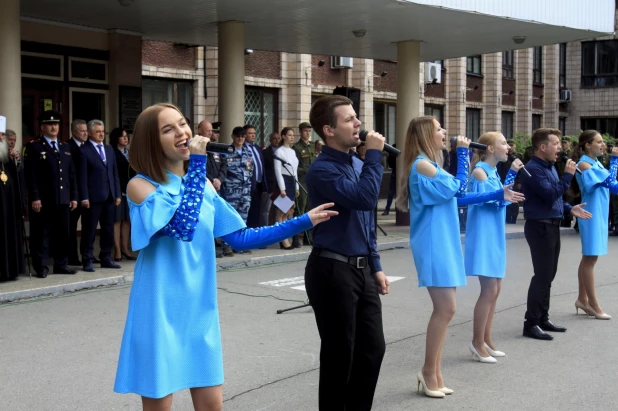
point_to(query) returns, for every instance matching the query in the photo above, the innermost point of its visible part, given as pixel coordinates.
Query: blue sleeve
(345, 192)
(247, 238)
(476, 187)
(463, 166)
(437, 189)
(476, 198)
(510, 177)
(610, 182)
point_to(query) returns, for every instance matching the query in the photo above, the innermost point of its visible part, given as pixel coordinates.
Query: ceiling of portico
(326, 26)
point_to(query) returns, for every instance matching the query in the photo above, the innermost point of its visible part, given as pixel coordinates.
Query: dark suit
(75, 214)
(50, 178)
(257, 187)
(100, 185)
(216, 167)
(269, 168)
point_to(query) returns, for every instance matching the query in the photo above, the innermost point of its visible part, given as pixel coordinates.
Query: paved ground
(60, 353)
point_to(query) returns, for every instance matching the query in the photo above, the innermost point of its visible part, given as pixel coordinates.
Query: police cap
(49, 116)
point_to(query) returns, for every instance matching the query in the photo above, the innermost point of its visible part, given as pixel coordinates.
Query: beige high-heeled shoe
(445, 390)
(598, 316)
(583, 307)
(427, 391)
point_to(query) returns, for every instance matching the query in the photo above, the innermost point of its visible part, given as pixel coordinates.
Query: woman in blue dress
(595, 183)
(433, 195)
(485, 249)
(172, 339)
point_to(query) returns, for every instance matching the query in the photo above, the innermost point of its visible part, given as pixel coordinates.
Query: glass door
(33, 103)
(89, 104)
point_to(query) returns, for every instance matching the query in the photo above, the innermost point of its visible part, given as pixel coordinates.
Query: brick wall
(537, 100)
(388, 82)
(471, 94)
(325, 75)
(508, 86)
(263, 63)
(162, 54)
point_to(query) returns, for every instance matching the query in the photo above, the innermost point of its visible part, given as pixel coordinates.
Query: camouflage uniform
(236, 188)
(305, 152)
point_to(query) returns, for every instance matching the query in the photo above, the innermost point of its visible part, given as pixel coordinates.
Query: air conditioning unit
(337, 62)
(433, 73)
(565, 96)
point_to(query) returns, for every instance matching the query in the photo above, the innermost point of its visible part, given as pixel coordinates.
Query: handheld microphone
(217, 147)
(566, 158)
(387, 147)
(513, 158)
(282, 161)
(453, 141)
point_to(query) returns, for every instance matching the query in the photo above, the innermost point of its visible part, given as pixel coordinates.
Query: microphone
(387, 147)
(453, 141)
(513, 158)
(565, 159)
(217, 147)
(282, 161)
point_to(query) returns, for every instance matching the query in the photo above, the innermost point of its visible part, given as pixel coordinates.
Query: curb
(57, 290)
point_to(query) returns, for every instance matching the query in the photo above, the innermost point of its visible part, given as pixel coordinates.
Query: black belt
(552, 221)
(357, 262)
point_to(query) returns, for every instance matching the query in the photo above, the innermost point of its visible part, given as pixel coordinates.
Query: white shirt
(289, 155)
(96, 148)
(79, 143)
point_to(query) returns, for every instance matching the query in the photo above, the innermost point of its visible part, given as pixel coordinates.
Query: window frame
(537, 65)
(471, 129)
(562, 65)
(505, 127)
(174, 82)
(470, 64)
(508, 64)
(597, 80)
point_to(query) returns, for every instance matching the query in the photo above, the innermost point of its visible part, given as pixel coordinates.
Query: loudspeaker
(353, 94)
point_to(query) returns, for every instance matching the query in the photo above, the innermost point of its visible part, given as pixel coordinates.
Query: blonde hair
(489, 139)
(418, 140)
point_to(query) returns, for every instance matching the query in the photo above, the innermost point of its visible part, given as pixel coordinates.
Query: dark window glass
(537, 65)
(507, 124)
(88, 70)
(473, 64)
(473, 123)
(507, 64)
(41, 66)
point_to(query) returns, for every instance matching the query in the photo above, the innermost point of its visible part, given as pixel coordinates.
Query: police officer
(305, 151)
(52, 192)
(236, 188)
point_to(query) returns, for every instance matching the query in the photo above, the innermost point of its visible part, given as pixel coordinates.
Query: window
(562, 68)
(562, 125)
(473, 64)
(437, 112)
(43, 66)
(473, 123)
(507, 64)
(507, 124)
(179, 93)
(261, 112)
(87, 70)
(537, 65)
(385, 119)
(602, 125)
(600, 63)
(537, 119)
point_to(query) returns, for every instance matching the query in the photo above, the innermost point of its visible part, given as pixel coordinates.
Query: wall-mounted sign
(130, 106)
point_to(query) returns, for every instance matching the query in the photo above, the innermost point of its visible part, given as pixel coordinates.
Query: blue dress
(172, 339)
(434, 228)
(485, 253)
(593, 184)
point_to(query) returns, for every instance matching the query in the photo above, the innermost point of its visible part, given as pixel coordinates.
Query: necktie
(53, 144)
(100, 147)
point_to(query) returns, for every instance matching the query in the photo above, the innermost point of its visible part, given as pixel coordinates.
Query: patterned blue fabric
(610, 182)
(264, 236)
(463, 165)
(184, 222)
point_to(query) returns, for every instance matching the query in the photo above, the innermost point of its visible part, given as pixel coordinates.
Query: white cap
(2, 124)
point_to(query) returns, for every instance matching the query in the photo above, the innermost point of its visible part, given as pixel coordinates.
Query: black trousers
(73, 219)
(105, 214)
(544, 242)
(512, 211)
(348, 313)
(49, 231)
(254, 216)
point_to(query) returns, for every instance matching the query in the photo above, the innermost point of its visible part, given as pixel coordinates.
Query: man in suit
(258, 181)
(52, 192)
(79, 136)
(99, 190)
(271, 179)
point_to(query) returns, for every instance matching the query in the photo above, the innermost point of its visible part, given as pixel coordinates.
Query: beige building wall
(492, 92)
(551, 60)
(456, 96)
(523, 92)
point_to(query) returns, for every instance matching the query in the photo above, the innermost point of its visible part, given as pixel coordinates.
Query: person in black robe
(11, 216)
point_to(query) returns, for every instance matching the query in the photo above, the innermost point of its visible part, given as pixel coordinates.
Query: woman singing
(485, 254)
(171, 338)
(595, 183)
(434, 232)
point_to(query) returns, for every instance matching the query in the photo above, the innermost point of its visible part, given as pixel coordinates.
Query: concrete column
(10, 68)
(551, 61)
(456, 96)
(492, 92)
(231, 77)
(408, 101)
(125, 69)
(362, 78)
(523, 98)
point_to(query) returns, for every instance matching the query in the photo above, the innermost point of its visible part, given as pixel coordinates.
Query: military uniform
(236, 188)
(51, 179)
(306, 155)
(560, 163)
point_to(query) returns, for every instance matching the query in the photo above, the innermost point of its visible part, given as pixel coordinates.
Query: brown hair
(146, 155)
(418, 140)
(585, 137)
(323, 113)
(541, 136)
(489, 139)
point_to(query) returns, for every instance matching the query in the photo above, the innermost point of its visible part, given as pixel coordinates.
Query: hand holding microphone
(570, 166)
(375, 141)
(518, 165)
(209, 146)
(461, 141)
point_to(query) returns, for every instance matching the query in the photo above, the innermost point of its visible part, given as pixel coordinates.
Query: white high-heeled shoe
(445, 390)
(493, 353)
(427, 391)
(598, 316)
(477, 356)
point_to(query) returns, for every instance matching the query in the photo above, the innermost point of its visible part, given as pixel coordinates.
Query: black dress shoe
(296, 243)
(129, 256)
(43, 272)
(63, 270)
(88, 267)
(75, 262)
(109, 264)
(536, 333)
(549, 326)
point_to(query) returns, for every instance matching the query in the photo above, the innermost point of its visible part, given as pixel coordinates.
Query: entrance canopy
(357, 28)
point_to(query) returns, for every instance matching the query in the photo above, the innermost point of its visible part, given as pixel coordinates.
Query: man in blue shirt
(544, 210)
(343, 275)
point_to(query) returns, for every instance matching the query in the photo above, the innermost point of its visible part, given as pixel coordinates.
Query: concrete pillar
(408, 101)
(231, 77)
(492, 92)
(362, 78)
(125, 69)
(456, 96)
(551, 61)
(10, 67)
(523, 98)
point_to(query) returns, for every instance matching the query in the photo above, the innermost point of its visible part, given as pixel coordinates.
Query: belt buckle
(358, 262)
